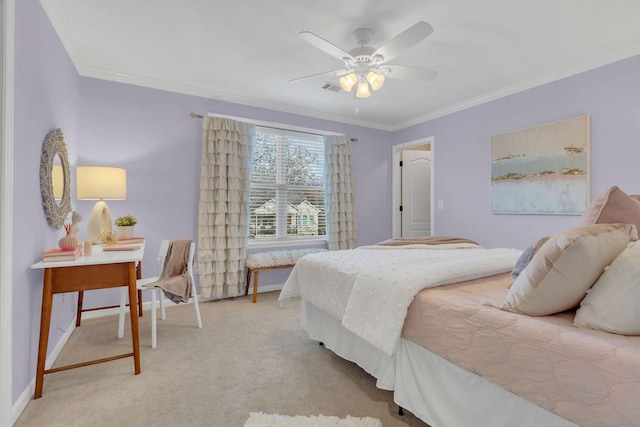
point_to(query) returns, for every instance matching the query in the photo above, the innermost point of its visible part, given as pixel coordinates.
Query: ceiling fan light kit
(372, 78)
(365, 65)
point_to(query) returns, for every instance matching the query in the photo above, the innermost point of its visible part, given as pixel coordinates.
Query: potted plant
(125, 225)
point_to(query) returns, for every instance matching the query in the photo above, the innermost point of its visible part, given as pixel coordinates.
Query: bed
(430, 324)
(589, 377)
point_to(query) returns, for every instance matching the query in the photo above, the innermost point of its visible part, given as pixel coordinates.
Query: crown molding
(55, 15)
(203, 92)
(54, 12)
(502, 93)
(58, 20)
(473, 102)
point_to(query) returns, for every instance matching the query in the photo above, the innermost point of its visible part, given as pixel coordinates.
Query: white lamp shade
(101, 183)
(347, 82)
(375, 80)
(363, 90)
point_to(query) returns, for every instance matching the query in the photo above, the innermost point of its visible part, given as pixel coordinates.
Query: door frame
(396, 181)
(6, 215)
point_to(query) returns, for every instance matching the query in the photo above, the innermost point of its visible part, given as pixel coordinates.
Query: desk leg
(139, 276)
(45, 322)
(79, 312)
(134, 317)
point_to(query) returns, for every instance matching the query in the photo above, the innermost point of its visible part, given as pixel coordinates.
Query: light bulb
(348, 81)
(363, 90)
(375, 80)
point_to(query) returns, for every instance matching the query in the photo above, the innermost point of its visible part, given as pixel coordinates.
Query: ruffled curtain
(224, 205)
(339, 193)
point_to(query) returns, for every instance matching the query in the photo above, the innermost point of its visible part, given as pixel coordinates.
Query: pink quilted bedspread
(591, 378)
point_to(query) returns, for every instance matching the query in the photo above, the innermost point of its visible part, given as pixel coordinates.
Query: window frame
(281, 237)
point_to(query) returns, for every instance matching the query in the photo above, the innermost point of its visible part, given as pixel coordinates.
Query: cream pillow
(565, 267)
(613, 303)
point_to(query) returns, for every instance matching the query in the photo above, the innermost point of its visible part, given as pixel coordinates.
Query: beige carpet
(247, 358)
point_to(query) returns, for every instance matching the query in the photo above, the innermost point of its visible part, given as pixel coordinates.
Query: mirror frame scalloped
(53, 146)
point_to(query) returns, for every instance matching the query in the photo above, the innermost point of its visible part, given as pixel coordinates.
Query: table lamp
(100, 183)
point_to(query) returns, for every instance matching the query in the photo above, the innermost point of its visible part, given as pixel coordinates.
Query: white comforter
(370, 288)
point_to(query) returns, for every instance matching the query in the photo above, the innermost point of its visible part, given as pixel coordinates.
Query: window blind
(287, 186)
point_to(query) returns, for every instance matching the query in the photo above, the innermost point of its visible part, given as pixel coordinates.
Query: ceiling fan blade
(324, 45)
(405, 40)
(328, 73)
(410, 73)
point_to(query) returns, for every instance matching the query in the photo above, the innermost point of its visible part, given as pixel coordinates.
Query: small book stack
(58, 254)
(129, 241)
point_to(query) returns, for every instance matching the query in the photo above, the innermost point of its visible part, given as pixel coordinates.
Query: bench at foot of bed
(272, 260)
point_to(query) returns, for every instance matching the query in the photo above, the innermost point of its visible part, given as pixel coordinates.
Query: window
(287, 186)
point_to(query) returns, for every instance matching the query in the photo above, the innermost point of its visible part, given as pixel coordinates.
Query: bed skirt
(328, 330)
(434, 389)
(441, 393)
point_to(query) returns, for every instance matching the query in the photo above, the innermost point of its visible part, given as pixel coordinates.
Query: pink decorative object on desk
(68, 242)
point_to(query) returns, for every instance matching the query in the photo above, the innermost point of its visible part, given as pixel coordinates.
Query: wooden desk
(97, 271)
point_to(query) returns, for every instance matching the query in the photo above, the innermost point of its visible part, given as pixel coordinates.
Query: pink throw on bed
(589, 377)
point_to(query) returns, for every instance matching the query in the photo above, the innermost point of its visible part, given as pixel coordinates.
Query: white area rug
(258, 419)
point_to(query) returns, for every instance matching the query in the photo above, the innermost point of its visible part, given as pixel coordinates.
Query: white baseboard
(266, 288)
(26, 396)
(28, 393)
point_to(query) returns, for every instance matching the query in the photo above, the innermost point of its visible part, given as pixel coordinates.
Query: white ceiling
(246, 51)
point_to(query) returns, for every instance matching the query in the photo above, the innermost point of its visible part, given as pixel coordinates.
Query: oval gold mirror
(55, 179)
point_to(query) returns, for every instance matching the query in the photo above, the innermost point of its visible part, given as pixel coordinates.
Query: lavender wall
(149, 132)
(46, 97)
(610, 95)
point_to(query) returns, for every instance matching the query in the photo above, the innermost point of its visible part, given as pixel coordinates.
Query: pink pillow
(613, 206)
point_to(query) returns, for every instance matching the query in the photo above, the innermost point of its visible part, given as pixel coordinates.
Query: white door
(416, 193)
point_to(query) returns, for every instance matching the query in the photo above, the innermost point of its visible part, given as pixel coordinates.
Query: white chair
(140, 284)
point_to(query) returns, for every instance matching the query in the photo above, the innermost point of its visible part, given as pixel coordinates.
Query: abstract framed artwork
(541, 170)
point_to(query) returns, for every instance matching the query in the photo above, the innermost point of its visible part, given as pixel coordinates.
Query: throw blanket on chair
(175, 280)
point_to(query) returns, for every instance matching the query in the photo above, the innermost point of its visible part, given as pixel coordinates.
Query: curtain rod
(270, 125)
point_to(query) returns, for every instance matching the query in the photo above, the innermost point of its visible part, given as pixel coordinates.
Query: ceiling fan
(366, 65)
